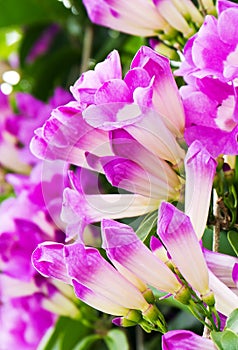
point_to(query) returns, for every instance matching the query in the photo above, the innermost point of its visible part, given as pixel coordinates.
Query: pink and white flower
(95, 281)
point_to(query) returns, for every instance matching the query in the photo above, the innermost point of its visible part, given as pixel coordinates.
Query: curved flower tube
(95, 281)
(125, 249)
(200, 169)
(177, 234)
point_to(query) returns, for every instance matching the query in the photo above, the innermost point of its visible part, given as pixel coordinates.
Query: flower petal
(124, 247)
(176, 232)
(87, 267)
(235, 274)
(208, 137)
(98, 301)
(48, 259)
(79, 209)
(139, 18)
(226, 300)
(221, 265)
(200, 169)
(185, 340)
(166, 98)
(127, 174)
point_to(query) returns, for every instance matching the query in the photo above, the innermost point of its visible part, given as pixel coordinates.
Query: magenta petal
(110, 68)
(113, 91)
(137, 18)
(117, 321)
(187, 66)
(208, 137)
(185, 340)
(67, 136)
(48, 259)
(144, 96)
(137, 77)
(228, 35)
(110, 116)
(235, 274)
(155, 243)
(28, 104)
(166, 98)
(125, 173)
(125, 249)
(223, 5)
(126, 146)
(87, 267)
(74, 203)
(176, 232)
(204, 47)
(199, 108)
(222, 265)
(87, 85)
(200, 168)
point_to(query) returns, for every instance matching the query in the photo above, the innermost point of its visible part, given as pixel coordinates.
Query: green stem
(193, 308)
(218, 321)
(87, 47)
(216, 229)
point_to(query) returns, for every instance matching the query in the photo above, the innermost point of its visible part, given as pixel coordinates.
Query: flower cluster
(210, 96)
(31, 215)
(124, 129)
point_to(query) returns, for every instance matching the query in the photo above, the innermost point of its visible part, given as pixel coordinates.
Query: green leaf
(65, 335)
(216, 337)
(207, 238)
(147, 225)
(116, 340)
(85, 343)
(229, 340)
(25, 12)
(233, 240)
(226, 340)
(232, 321)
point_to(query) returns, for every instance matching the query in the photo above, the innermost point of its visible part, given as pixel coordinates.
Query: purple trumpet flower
(177, 234)
(95, 281)
(123, 128)
(125, 249)
(210, 98)
(147, 18)
(200, 169)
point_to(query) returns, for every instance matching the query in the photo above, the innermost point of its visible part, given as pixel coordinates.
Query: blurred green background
(74, 45)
